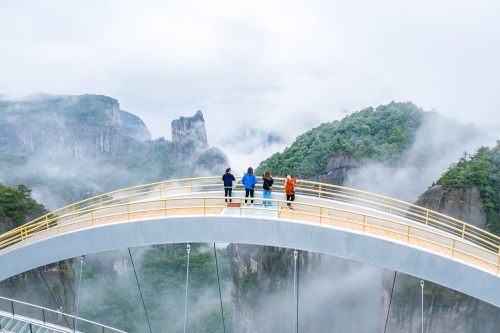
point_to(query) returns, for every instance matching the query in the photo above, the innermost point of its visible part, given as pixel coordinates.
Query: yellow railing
(90, 211)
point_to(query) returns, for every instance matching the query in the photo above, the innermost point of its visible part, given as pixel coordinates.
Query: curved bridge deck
(354, 218)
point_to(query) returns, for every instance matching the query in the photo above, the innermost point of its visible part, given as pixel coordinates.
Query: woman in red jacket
(290, 189)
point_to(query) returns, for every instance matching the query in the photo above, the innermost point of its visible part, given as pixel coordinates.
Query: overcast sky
(271, 66)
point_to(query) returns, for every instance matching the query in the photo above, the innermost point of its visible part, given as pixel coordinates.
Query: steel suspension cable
(140, 292)
(55, 300)
(390, 300)
(422, 286)
(188, 248)
(78, 293)
(220, 294)
(295, 313)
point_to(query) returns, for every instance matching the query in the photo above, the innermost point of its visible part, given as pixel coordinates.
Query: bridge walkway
(317, 205)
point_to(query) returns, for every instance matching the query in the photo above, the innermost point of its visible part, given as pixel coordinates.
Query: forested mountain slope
(378, 134)
(395, 150)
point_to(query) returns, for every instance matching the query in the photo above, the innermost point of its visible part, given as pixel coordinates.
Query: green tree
(482, 170)
(17, 205)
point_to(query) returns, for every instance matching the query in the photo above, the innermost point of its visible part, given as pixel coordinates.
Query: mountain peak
(190, 131)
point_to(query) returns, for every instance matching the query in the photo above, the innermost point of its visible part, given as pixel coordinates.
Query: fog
(439, 142)
(274, 67)
(110, 292)
(332, 297)
(263, 73)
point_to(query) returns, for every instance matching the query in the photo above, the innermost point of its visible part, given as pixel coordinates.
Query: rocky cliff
(337, 170)
(258, 271)
(445, 310)
(84, 127)
(67, 148)
(333, 293)
(463, 204)
(190, 131)
(51, 286)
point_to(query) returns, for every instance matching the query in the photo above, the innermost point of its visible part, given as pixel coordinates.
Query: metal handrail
(186, 186)
(11, 313)
(308, 188)
(452, 245)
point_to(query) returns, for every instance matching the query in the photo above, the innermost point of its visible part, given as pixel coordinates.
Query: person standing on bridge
(267, 188)
(290, 189)
(249, 180)
(228, 179)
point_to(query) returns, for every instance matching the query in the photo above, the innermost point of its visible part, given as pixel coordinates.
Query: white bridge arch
(326, 219)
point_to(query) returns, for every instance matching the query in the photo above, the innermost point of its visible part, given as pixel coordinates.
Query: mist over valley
(68, 148)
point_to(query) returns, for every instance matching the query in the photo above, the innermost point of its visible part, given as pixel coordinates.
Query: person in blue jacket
(249, 180)
(228, 179)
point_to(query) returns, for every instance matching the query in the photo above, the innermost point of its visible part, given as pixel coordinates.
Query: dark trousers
(290, 197)
(247, 192)
(227, 193)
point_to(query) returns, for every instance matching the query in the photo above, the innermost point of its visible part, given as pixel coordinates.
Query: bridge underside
(258, 231)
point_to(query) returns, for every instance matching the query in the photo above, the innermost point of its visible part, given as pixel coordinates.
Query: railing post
(319, 191)
(43, 315)
(463, 231)
(320, 215)
(390, 207)
(12, 306)
(453, 249)
(408, 236)
(364, 223)
(427, 217)
(191, 185)
(129, 196)
(160, 190)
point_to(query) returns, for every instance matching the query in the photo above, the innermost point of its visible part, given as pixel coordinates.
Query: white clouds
(288, 66)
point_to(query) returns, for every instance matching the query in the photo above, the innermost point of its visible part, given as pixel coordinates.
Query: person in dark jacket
(267, 188)
(249, 180)
(228, 179)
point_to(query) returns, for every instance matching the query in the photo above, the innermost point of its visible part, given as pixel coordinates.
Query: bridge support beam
(400, 257)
